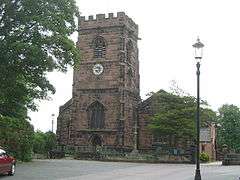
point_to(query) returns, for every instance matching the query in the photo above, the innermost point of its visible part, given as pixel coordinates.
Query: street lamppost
(52, 121)
(198, 47)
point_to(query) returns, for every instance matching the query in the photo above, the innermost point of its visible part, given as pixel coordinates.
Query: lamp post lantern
(198, 47)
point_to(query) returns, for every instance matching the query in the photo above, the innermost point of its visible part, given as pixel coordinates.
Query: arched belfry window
(96, 115)
(99, 46)
(129, 50)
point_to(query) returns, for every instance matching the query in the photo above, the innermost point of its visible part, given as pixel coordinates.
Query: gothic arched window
(129, 50)
(96, 115)
(99, 46)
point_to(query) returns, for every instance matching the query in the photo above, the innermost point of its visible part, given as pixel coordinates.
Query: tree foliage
(228, 131)
(34, 38)
(39, 142)
(44, 142)
(174, 115)
(16, 136)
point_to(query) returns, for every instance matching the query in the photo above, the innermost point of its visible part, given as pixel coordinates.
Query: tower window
(99, 46)
(96, 115)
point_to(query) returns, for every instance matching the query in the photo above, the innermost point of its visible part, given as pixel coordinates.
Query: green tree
(228, 131)
(44, 142)
(50, 141)
(34, 38)
(16, 136)
(39, 142)
(174, 116)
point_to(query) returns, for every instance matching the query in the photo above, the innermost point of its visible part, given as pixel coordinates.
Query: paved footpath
(95, 170)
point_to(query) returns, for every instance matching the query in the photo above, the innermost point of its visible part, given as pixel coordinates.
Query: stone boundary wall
(231, 159)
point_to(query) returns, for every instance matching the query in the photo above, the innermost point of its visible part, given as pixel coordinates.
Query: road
(95, 170)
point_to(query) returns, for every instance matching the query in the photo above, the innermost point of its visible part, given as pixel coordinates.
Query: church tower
(103, 108)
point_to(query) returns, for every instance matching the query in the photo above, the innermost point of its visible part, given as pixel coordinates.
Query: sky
(167, 29)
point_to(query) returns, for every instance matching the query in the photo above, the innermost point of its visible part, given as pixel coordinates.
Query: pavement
(96, 170)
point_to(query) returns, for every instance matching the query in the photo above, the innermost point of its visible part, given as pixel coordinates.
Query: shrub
(204, 157)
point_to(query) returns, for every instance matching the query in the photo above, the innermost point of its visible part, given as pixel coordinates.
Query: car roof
(2, 151)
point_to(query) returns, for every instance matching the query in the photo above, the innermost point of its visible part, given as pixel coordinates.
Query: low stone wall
(231, 159)
(129, 157)
(145, 161)
(159, 155)
(39, 156)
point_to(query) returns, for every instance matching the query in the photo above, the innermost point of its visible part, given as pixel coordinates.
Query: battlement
(100, 17)
(103, 20)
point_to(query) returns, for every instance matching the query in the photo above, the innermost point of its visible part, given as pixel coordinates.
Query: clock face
(97, 69)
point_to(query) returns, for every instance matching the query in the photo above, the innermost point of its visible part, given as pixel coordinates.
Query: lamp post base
(197, 175)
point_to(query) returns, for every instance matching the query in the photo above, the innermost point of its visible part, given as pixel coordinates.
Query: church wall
(144, 135)
(63, 123)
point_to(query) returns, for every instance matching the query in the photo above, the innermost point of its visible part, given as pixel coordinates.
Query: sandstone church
(106, 109)
(105, 106)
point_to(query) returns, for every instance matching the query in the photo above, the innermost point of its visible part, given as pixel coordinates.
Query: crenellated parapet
(103, 20)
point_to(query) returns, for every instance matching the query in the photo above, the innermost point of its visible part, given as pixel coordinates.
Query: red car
(7, 163)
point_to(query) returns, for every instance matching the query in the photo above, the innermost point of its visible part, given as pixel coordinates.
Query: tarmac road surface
(95, 170)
